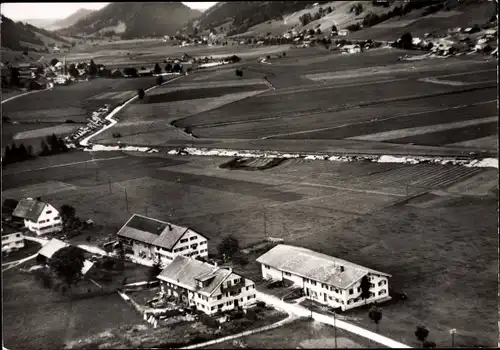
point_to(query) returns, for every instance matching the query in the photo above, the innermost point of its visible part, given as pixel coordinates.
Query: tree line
(51, 145)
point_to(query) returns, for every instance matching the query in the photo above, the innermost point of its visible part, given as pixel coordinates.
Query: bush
(354, 27)
(208, 321)
(261, 304)
(70, 121)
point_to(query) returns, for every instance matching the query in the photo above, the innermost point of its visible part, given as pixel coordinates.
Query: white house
(209, 288)
(157, 240)
(12, 239)
(343, 32)
(39, 217)
(325, 279)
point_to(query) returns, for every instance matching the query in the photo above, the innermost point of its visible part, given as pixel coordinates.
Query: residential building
(157, 240)
(325, 279)
(207, 287)
(343, 32)
(39, 217)
(12, 238)
(145, 72)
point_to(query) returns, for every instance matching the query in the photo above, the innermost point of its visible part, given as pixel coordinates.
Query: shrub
(261, 304)
(354, 27)
(70, 121)
(117, 135)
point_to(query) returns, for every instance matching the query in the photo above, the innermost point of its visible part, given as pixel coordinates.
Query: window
(382, 292)
(313, 283)
(219, 297)
(382, 283)
(372, 285)
(48, 212)
(193, 238)
(18, 235)
(330, 297)
(359, 289)
(229, 303)
(228, 284)
(267, 266)
(249, 297)
(57, 218)
(288, 274)
(184, 240)
(350, 291)
(4, 238)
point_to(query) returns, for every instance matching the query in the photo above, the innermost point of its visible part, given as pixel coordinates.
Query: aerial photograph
(250, 175)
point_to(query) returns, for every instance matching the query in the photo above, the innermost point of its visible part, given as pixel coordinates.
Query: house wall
(329, 295)
(49, 221)
(194, 246)
(245, 295)
(13, 241)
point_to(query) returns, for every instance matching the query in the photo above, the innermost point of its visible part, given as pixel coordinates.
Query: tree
(8, 155)
(29, 150)
(23, 153)
(365, 288)
(67, 263)
(318, 31)
(92, 68)
(429, 344)
(141, 94)
(44, 149)
(154, 271)
(67, 212)
(54, 144)
(54, 61)
(177, 68)
(422, 333)
(159, 80)
(375, 315)
(168, 68)
(228, 247)
(157, 69)
(14, 151)
(73, 71)
(239, 73)
(406, 41)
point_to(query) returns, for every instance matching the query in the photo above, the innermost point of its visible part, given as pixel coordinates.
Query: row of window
(41, 228)
(4, 238)
(47, 220)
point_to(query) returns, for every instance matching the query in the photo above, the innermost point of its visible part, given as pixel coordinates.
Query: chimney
(216, 267)
(341, 268)
(169, 227)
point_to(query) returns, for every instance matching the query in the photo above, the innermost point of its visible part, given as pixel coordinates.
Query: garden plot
(114, 95)
(181, 85)
(61, 129)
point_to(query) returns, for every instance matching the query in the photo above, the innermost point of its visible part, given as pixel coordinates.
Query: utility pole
(146, 209)
(452, 332)
(126, 199)
(265, 222)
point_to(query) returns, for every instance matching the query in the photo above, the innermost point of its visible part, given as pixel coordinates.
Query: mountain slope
(44, 23)
(25, 37)
(70, 20)
(241, 15)
(134, 20)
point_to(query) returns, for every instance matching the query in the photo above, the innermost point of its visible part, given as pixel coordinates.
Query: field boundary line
(376, 121)
(24, 94)
(63, 165)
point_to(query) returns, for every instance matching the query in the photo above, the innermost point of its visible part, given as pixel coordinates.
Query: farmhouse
(209, 288)
(325, 279)
(12, 238)
(145, 72)
(343, 32)
(161, 241)
(39, 217)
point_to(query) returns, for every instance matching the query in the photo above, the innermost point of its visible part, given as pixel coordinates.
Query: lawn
(302, 333)
(39, 318)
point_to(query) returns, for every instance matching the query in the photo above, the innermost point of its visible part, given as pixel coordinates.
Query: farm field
(352, 210)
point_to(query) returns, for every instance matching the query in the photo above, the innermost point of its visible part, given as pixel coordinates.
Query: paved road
(298, 310)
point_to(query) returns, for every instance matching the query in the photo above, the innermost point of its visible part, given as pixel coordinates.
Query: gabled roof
(315, 266)
(29, 209)
(51, 247)
(184, 272)
(8, 229)
(152, 231)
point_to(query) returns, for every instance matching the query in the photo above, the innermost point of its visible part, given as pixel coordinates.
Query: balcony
(234, 288)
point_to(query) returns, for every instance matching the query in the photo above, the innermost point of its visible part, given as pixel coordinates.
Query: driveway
(298, 310)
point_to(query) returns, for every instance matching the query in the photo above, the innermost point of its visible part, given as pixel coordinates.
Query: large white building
(39, 217)
(209, 288)
(161, 241)
(325, 279)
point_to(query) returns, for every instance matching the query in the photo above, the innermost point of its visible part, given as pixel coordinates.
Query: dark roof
(29, 209)
(184, 272)
(152, 231)
(9, 203)
(316, 266)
